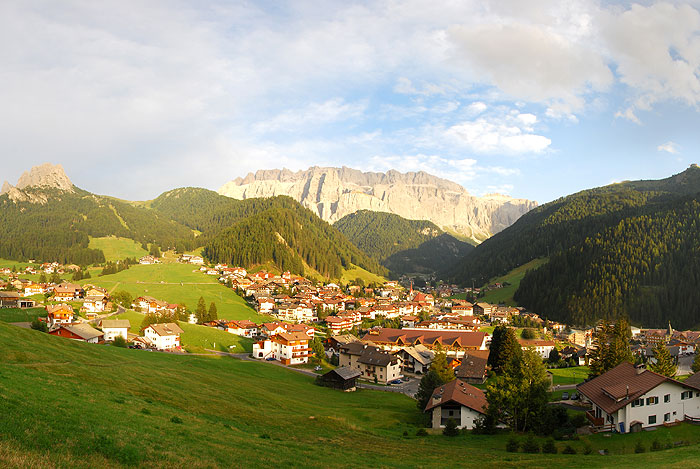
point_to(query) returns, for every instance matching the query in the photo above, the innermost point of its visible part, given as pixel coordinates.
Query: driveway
(684, 364)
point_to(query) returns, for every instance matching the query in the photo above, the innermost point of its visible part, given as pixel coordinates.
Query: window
(667, 398)
(652, 400)
(652, 419)
(686, 395)
(667, 417)
(638, 403)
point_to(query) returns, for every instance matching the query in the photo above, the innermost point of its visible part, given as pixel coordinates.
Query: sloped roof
(166, 329)
(85, 331)
(693, 380)
(459, 392)
(618, 387)
(427, 336)
(115, 323)
(368, 354)
(473, 365)
(345, 372)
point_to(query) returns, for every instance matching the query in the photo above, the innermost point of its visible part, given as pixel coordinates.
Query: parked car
(270, 359)
(574, 397)
(396, 381)
(565, 396)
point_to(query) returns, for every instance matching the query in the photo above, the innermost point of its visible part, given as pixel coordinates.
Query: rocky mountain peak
(46, 175)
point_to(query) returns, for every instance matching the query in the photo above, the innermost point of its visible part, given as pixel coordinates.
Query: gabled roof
(166, 329)
(115, 323)
(426, 336)
(473, 365)
(457, 391)
(368, 354)
(620, 386)
(345, 372)
(693, 380)
(84, 331)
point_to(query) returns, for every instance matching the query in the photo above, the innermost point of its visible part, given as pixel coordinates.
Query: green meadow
(115, 248)
(70, 404)
(21, 315)
(353, 273)
(181, 284)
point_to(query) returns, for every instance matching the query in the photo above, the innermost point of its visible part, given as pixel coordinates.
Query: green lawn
(117, 248)
(129, 408)
(505, 294)
(21, 315)
(350, 275)
(181, 284)
(573, 375)
(197, 338)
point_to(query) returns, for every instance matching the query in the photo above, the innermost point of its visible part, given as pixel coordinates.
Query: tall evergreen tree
(610, 347)
(212, 316)
(510, 350)
(664, 362)
(495, 349)
(428, 383)
(201, 311)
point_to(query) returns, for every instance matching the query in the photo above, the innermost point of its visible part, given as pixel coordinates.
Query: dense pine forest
(256, 231)
(401, 245)
(627, 249)
(59, 229)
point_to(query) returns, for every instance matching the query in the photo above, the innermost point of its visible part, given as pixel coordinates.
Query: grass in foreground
(129, 408)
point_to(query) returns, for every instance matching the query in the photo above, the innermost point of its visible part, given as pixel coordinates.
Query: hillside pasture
(505, 295)
(115, 248)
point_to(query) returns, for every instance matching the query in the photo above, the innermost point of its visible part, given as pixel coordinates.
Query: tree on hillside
(428, 383)
(123, 298)
(696, 362)
(554, 356)
(201, 311)
(439, 365)
(155, 251)
(55, 278)
(664, 362)
(610, 347)
(212, 316)
(510, 350)
(317, 348)
(42, 278)
(528, 334)
(497, 336)
(519, 396)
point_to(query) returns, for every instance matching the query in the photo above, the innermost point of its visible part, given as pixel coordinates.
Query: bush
(39, 326)
(568, 449)
(484, 425)
(531, 445)
(587, 449)
(145, 411)
(549, 447)
(639, 447)
(422, 432)
(513, 445)
(176, 419)
(119, 341)
(451, 428)
(656, 445)
(578, 420)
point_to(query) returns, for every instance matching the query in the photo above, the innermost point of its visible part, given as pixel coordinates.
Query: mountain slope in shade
(333, 193)
(628, 249)
(403, 246)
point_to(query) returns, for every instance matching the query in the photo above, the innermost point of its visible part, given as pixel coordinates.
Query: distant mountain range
(333, 193)
(629, 249)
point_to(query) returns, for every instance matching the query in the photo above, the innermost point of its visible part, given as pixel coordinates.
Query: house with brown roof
(163, 336)
(373, 362)
(453, 342)
(473, 366)
(459, 401)
(629, 398)
(542, 347)
(290, 348)
(78, 331)
(59, 314)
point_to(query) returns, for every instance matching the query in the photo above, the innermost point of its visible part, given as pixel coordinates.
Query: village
(384, 337)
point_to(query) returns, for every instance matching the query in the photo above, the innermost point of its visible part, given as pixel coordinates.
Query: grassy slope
(197, 338)
(505, 295)
(573, 375)
(114, 407)
(21, 315)
(182, 284)
(350, 275)
(117, 248)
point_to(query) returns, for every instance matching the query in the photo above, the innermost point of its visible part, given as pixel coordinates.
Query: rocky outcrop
(332, 193)
(46, 176)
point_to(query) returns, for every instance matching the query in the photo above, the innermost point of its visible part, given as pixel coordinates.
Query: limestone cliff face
(46, 176)
(332, 193)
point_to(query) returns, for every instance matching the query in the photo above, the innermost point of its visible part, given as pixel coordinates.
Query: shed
(343, 378)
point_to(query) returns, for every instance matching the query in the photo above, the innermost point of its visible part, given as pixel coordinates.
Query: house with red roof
(459, 401)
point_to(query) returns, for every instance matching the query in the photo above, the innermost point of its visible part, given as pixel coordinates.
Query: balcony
(595, 421)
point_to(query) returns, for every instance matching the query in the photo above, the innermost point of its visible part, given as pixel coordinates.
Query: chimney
(628, 392)
(639, 369)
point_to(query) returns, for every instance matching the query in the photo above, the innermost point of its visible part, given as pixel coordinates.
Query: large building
(453, 342)
(372, 362)
(163, 336)
(290, 348)
(627, 399)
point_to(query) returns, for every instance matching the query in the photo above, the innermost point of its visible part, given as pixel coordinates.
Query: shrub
(587, 449)
(451, 428)
(568, 449)
(639, 447)
(39, 326)
(145, 411)
(549, 447)
(484, 425)
(578, 420)
(531, 445)
(119, 341)
(422, 432)
(176, 419)
(513, 445)
(656, 445)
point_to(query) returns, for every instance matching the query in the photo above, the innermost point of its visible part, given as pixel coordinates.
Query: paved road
(684, 364)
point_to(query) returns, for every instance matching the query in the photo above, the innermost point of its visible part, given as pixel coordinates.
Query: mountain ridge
(332, 193)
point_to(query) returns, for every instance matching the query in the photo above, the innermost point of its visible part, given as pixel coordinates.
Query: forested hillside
(401, 245)
(256, 231)
(55, 225)
(624, 249)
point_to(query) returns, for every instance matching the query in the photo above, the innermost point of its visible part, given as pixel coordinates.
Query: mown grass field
(572, 375)
(352, 274)
(181, 284)
(21, 315)
(71, 404)
(116, 249)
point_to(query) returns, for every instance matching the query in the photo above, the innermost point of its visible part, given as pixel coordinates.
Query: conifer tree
(439, 365)
(212, 316)
(201, 311)
(696, 362)
(664, 362)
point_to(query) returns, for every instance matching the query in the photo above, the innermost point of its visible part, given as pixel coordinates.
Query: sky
(535, 99)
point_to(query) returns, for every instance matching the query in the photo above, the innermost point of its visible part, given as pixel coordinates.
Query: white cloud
(669, 147)
(511, 133)
(313, 114)
(476, 107)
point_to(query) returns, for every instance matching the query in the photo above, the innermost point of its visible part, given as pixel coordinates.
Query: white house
(94, 304)
(163, 336)
(629, 399)
(290, 348)
(542, 347)
(459, 401)
(114, 328)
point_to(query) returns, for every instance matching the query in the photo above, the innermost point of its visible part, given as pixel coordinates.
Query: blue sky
(534, 99)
